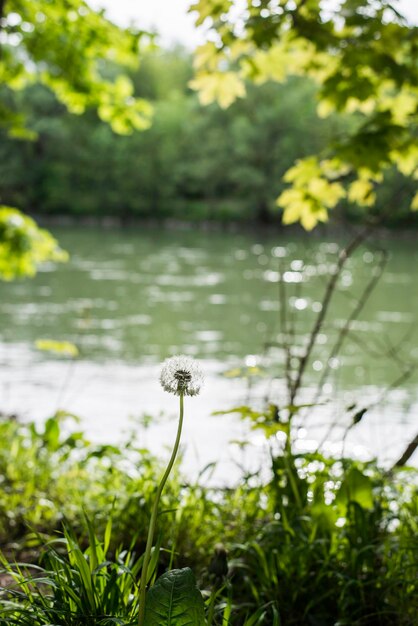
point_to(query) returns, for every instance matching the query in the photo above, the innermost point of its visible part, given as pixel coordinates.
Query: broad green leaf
(268, 64)
(402, 106)
(243, 411)
(298, 207)
(52, 434)
(361, 192)
(324, 515)
(221, 87)
(325, 192)
(406, 160)
(313, 192)
(206, 56)
(303, 171)
(175, 600)
(356, 487)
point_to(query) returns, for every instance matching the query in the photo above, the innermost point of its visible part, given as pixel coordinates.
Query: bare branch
(286, 330)
(344, 331)
(329, 292)
(408, 452)
(404, 376)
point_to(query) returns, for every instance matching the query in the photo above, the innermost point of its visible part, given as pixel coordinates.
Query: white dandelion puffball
(181, 375)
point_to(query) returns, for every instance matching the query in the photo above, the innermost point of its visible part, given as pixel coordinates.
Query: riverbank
(336, 228)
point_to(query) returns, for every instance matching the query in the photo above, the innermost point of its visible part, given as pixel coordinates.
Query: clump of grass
(74, 586)
(339, 548)
(324, 542)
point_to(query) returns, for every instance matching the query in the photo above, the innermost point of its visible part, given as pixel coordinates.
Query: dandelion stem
(154, 515)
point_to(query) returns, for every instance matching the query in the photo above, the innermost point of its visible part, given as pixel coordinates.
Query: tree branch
(408, 452)
(342, 335)
(285, 330)
(329, 291)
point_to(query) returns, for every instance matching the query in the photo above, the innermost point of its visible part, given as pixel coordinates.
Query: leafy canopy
(363, 56)
(71, 49)
(79, 55)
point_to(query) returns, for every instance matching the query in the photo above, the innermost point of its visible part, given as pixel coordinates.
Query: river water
(128, 299)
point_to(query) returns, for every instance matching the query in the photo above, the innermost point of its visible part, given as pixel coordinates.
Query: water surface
(129, 299)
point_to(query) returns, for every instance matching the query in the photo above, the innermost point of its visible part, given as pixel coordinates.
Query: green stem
(211, 608)
(290, 465)
(154, 515)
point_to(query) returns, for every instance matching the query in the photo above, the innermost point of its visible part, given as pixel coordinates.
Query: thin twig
(285, 330)
(408, 452)
(344, 331)
(329, 292)
(404, 376)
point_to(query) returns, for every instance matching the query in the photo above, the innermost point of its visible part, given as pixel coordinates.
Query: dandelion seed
(181, 375)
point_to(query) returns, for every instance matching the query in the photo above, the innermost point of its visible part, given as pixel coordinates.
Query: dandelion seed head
(181, 375)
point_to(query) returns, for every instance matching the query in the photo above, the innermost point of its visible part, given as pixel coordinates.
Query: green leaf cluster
(74, 584)
(362, 56)
(24, 246)
(78, 53)
(84, 59)
(318, 541)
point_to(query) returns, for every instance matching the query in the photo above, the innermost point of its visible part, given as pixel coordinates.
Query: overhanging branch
(409, 451)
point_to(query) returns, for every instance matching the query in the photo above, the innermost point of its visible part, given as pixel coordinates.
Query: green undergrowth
(323, 543)
(48, 477)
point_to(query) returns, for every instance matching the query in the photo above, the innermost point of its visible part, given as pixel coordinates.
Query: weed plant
(323, 543)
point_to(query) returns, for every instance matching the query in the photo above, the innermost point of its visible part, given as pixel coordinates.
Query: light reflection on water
(129, 299)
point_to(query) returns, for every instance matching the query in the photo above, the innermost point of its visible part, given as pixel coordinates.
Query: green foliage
(268, 421)
(363, 58)
(71, 49)
(355, 488)
(175, 600)
(74, 586)
(51, 472)
(215, 164)
(321, 542)
(24, 246)
(46, 476)
(83, 58)
(326, 555)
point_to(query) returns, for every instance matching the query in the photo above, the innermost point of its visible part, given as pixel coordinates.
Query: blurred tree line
(194, 163)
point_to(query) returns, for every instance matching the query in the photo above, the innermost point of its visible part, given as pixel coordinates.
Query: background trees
(332, 114)
(194, 162)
